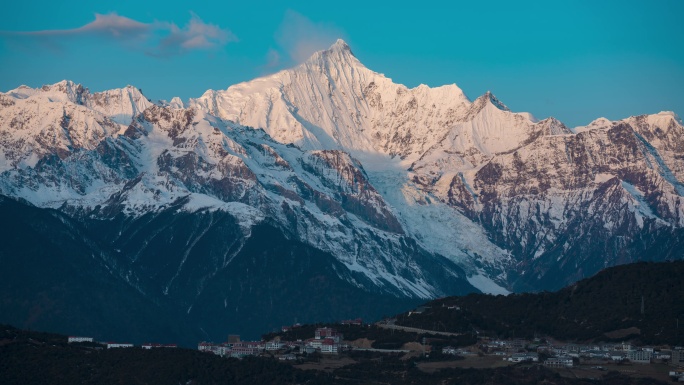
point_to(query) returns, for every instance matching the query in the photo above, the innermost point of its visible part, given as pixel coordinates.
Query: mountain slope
(590, 309)
(541, 193)
(57, 277)
(323, 198)
(180, 200)
(119, 105)
(69, 277)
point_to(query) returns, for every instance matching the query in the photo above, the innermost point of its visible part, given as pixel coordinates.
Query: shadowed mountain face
(63, 276)
(326, 190)
(56, 276)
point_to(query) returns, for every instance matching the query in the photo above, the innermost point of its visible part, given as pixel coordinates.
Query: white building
(595, 354)
(521, 357)
(274, 345)
(79, 339)
(329, 346)
(559, 362)
(113, 345)
(246, 348)
(449, 350)
(154, 346)
(316, 344)
(217, 349)
(558, 351)
(323, 333)
(640, 356)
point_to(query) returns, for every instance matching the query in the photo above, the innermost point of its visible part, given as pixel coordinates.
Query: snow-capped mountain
(322, 197)
(332, 101)
(435, 154)
(335, 171)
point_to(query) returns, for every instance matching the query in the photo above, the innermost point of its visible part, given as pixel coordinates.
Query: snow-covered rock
(405, 187)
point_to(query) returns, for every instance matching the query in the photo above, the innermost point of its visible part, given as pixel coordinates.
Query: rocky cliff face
(536, 188)
(570, 201)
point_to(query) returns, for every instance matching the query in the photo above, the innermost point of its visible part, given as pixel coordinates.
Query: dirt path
(416, 330)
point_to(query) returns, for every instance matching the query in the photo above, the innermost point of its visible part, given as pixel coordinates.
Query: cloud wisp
(299, 37)
(159, 38)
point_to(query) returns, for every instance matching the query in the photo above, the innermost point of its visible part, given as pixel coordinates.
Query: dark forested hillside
(56, 276)
(592, 308)
(70, 276)
(45, 358)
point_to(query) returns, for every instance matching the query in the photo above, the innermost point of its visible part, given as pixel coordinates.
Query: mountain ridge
(415, 193)
(644, 297)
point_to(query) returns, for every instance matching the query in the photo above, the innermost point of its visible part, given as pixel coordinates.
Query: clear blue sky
(575, 60)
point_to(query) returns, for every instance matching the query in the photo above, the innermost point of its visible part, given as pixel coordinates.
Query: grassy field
(474, 362)
(655, 371)
(586, 370)
(327, 363)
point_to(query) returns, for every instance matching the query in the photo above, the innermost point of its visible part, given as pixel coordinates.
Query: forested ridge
(604, 307)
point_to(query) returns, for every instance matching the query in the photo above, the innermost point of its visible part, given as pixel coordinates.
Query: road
(416, 330)
(381, 350)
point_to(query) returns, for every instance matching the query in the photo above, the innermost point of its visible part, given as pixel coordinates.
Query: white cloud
(159, 38)
(299, 37)
(196, 35)
(111, 25)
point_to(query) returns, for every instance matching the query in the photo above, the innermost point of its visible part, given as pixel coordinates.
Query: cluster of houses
(238, 349)
(616, 352)
(456, 351)
(562, 355)
(325, 340)
(114, 345)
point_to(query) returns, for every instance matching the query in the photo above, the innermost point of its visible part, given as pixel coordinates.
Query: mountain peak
(61, 86)
(339, 51)
(340, 45)
(671, 114)
(553, 126)
(482, 102)
(74, 92)
(489, 97)
(176, 102)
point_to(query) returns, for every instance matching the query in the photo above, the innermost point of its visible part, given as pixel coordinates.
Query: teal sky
(575, 60)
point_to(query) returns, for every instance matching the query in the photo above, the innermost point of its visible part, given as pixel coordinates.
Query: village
(117, 345)
(328, 342)
(325, 340)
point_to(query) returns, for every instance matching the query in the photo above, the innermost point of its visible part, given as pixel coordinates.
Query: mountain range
(320, 192)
